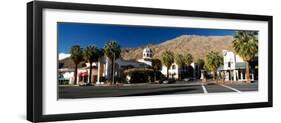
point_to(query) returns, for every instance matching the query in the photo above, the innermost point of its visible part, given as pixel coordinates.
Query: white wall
(174, 71)
(231, 57)
(13, 57)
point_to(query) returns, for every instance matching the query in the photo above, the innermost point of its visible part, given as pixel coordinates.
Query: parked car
(187, 79)
(168, 81)
(85, 84)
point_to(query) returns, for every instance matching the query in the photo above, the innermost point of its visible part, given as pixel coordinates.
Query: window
(173, 66)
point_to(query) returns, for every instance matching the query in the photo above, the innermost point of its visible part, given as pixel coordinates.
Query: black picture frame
(34, 60)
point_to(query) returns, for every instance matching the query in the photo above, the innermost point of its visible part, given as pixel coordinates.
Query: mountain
(68, 63)
(196, 45)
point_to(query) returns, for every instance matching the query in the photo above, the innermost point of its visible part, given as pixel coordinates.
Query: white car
(187, 79)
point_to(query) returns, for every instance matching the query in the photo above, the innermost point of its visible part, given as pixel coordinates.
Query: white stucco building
(65, 75)
(121, 64)
(175, 70)
(146, 56)
(233, 68)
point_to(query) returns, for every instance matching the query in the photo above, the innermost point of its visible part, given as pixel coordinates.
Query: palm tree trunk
(168, 72)
(90, 76)
(179, 73)
(188, 71)
(247, 72)
(214, 75)
(112, 72)
(154, 75)
(75, 74)
(183, 73)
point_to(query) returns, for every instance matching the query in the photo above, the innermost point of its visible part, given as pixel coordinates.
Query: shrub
(102, 79)
(142, 75)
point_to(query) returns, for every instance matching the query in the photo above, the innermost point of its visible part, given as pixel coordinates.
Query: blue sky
(70, 34)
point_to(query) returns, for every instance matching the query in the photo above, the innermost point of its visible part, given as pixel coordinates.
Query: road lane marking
(230, 88)
(204, 89)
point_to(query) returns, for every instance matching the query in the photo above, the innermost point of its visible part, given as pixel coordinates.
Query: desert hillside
(198, 46)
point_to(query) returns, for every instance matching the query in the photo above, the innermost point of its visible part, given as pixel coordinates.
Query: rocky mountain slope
(198, 46)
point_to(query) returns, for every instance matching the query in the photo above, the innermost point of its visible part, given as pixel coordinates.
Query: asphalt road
(73, 92)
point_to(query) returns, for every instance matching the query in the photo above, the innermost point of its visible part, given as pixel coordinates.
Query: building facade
(233, 68)
(103, 69)
(121, 64)
(192, 71)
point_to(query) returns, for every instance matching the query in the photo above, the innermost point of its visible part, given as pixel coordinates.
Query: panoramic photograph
(107, 60)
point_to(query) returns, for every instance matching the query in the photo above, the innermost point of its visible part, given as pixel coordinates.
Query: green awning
(220, 68)
(240, 65)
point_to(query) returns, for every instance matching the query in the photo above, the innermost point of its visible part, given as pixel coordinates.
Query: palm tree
(90, 54)
(179, 59)
(245, 44)
(168, 60)
(188, 59)
(112, 51)
(213, 61)
(76, 56)
(156, 66)
(200, 63)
